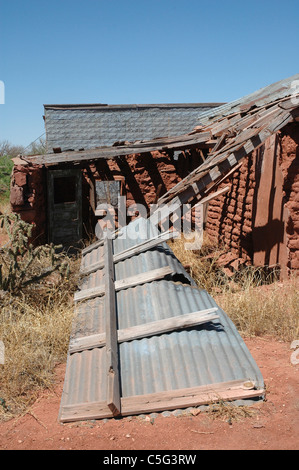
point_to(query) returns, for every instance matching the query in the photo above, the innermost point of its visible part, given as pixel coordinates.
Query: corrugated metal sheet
(208, 354)
(90, 127)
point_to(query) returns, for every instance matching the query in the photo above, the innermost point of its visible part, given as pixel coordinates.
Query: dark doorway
(65, 207)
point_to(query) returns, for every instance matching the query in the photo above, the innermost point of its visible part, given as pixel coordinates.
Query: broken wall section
(258, 218)
(229, 216)
(28, 198)
(144, 178)
(289, 163)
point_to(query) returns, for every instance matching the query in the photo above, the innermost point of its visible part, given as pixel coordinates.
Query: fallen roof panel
(186, 366)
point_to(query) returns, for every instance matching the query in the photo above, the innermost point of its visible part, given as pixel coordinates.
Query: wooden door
(65, 206)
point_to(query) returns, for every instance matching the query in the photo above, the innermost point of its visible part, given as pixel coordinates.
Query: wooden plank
(87, 342)
(169, 324)
(216, 183)
(131, 281)
(142, 278)
(164, 210)
(270, 247)
(248, 140)
(84, 411)
(195, 396)
(134, 250)
(113, 386)
(98, 243)
(161, 401)
(213, 195)
(181, 141)
(147, 329)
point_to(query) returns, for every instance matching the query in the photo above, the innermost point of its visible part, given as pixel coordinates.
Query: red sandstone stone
(20, 178)
(16, 196)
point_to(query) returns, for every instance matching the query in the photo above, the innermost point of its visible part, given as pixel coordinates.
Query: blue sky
(145, 51)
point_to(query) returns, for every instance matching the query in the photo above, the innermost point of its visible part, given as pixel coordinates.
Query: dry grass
(229, 412)
(265, 310)
(201, 264)
(257, 302)
(35, 329)
(4, 206)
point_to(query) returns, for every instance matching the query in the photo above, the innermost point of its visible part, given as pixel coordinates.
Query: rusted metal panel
(208, 354)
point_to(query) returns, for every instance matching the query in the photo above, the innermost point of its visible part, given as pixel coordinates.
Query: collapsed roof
(231, 131)
(236, 129)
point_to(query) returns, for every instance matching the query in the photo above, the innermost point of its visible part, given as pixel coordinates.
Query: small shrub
(6, 166)
(20, 263)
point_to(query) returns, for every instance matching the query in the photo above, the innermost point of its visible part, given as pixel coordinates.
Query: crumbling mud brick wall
(258, 218)
(229, 216)
(289, 163)
(28, 198)
(146, 176)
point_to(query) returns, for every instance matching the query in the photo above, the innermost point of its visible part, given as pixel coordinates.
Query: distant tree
(38, 147)
(9, 150)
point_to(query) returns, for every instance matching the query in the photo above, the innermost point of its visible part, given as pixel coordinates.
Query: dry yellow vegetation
(256, 301)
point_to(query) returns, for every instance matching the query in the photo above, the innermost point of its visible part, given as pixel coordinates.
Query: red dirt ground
(274, 424)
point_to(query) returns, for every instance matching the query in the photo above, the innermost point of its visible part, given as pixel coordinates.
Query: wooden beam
(195, 396)
(216, 183)
(131, 281)
(161, 401)
(213, 195)
(215, 165)
(146, 329)
(178, 142)
(98, 243)
(84, 411)
(168, 324)
(113, 385)
(134, 250)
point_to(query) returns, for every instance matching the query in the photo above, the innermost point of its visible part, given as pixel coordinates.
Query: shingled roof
(96, 125)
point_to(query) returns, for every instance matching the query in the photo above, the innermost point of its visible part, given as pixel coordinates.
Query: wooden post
(113, 390)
